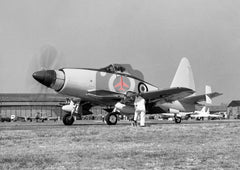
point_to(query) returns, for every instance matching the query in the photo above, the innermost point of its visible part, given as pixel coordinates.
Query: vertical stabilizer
(208, 112)
(203, 110)
(208, 90)
(184, 75)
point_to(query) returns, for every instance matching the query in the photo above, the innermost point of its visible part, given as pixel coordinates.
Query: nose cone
(45, 77)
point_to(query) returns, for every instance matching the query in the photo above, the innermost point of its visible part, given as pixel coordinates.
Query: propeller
(48, 58)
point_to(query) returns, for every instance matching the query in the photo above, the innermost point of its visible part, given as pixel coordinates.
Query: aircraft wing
(105, 95)
(167, 95)
(199, 98)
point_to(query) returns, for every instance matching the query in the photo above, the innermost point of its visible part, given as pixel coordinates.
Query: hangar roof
(31, 97)
(234, 103)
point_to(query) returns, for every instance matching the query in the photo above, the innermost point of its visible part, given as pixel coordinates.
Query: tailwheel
(178, 119)
(111, 118)
(68, 119)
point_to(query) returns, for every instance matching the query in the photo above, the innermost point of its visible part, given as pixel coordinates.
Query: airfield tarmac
(95, 145)
(78, 123)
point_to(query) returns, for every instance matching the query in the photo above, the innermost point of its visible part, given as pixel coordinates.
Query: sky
(152, 36)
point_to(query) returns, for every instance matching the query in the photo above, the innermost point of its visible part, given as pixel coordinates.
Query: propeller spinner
(45, 77)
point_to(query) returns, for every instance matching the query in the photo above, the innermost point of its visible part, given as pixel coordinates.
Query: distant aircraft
(108, 85)
(204, 114)
(188, 112)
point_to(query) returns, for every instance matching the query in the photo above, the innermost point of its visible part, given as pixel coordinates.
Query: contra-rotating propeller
(48, 58)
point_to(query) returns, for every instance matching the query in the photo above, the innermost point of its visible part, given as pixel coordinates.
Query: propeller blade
(48, 58)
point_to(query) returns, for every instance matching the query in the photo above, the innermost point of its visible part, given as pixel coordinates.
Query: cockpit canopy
(124, 69)
(113, 68)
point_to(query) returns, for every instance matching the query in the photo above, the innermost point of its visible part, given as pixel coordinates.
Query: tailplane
(184, 75)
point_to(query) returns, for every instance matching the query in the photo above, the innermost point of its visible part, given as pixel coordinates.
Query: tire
(111, 118)
(68, 119)
(178, 119)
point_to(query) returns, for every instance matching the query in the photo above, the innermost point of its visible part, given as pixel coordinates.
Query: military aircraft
(107, 86)
(198, 115)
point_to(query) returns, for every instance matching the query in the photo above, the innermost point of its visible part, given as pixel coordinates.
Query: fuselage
(79, 82)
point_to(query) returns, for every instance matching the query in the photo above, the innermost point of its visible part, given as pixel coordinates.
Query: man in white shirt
(140, 109)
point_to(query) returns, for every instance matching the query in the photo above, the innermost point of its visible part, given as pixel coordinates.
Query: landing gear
(178, 119)
(68, 119)
(111, 118)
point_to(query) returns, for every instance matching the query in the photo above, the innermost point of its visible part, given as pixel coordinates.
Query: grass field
(85, 146)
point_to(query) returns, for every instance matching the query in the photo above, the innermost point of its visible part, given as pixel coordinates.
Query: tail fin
(208, 90)
(203, 110)
(184, 75)
(208, 111)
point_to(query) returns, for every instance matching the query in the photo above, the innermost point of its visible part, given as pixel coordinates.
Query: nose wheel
(111, 118)
(68, 119)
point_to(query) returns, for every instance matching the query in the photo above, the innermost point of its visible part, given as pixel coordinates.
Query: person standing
(140, 110)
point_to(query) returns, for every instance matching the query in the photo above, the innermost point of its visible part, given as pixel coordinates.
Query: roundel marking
(121, 83)
(142, 87)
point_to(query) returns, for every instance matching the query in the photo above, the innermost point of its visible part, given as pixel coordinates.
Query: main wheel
(111, 118)
(178, 119)
(68, 119)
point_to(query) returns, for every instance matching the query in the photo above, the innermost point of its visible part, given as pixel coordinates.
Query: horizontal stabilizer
(199, 98)
(169, 95)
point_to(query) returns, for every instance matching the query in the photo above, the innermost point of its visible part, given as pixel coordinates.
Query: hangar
(233, 109)
(28, 104)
